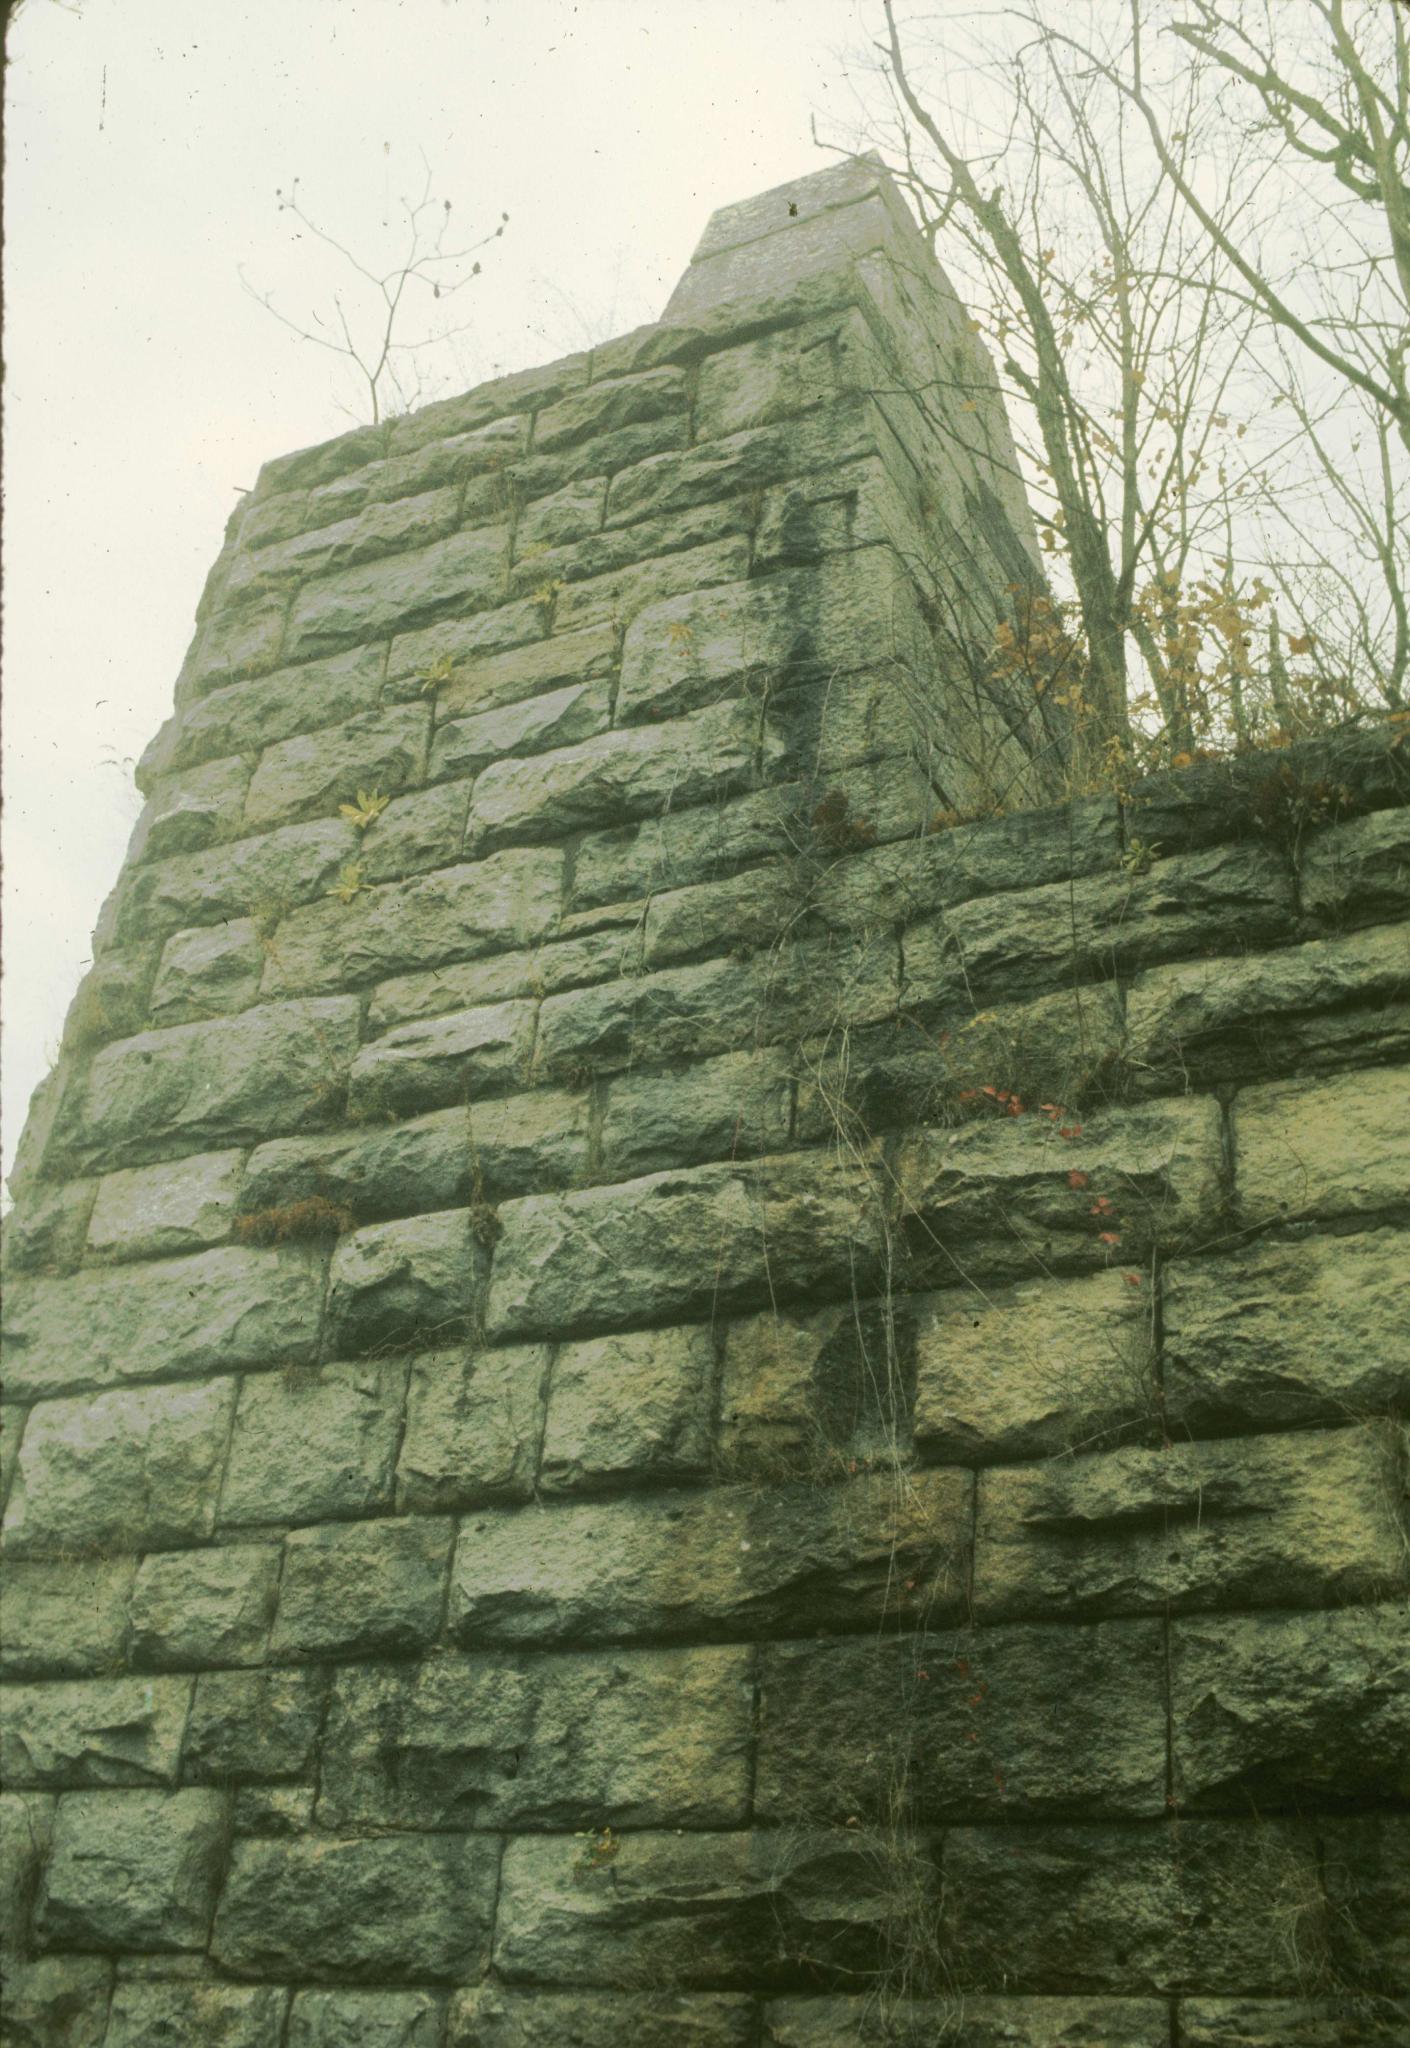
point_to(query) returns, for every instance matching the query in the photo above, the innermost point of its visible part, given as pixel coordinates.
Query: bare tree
(1211, 445)
(371, 339)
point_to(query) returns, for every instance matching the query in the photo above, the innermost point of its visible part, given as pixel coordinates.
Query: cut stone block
(96, 1731)
(362, 1589)
(127, 1470)
(1046, 1367)
(209, 971)
(298, 778)
(629, 1409)
(473, 1422)
(1291, 1710)
(640, 1738)
(1280, 1334)
(378, 1911)
(733, 1561)
(311, 1445)
(133, 1870)
(445, 1060)
(195, 1607)
(465, 572)
(218, 1310)
(180, 1206)
(392, 1283)
(1322, 1148)
(1275, 1521)
(955, 1726)
(280, 1067)
(254, 1725)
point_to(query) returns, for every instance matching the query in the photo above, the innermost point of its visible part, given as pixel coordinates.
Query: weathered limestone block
(543, 668)
(478, 456)
(1286, 1333)
(273, 1810)
(363, 1589)
(1002, 1197)
(710, 1910)
(495, 2016)
(970, 1723)
(794, 991)
(132, 1870)
(707, 545)
(366, 2019)
(671, 1244)
(1328, 1002)
(191, 810)
(954, 1064)
(244, 638)
(1103, 923)
(209, 971)
(846, 613)
(254, 1725)
(1035, 1370)
(246, 717)
(457, 913)
(417, 661)
(816, 1393)
(538, 478)
(520, 1143)
(689, 846)
(732, 1560)
(1325, 1148)
(1358, 871)
(743, 912)
(261, 876)
(759, 381)
(305, 467)
(179, 1318)
(113, 996)
(385, 528)
(1133, 1910)
(379, 1911)
(316, 772)
(97, 1731)
(631, 1408)
(597, 954)
(309, 1445)
(473, 1422)
(613, 403)
(390, 1283)
(1348, 2021)
(424, 829)
(916, 2022)
(444, 1060)
(645, 1738)
(195, 2015)
(382, 1169)
(519, 391)
(57, 2002)
(466, 571)
(1278, 1521)
(194, 1607)
(26, 1828)
(47, 1230)
(196, 1086)
(561, 517)
(126, 1470)
(1291, 1710)
(65, 1617)
(730, 1107)
(182, 1205)
(557, 718)
(620, 775)
(1367, 1877)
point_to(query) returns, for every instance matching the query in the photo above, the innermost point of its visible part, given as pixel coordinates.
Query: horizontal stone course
(873, 1552)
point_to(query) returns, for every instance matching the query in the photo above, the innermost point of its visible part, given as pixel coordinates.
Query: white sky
(144, 143)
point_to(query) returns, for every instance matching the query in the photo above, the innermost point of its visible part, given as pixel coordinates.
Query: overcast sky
(145, 140)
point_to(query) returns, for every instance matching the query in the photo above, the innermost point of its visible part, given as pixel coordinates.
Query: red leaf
(1077, 1179)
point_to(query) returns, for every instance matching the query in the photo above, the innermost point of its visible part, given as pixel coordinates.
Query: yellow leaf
(1300, 643)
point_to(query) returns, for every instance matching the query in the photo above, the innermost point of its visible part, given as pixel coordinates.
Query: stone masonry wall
(653, 1393)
